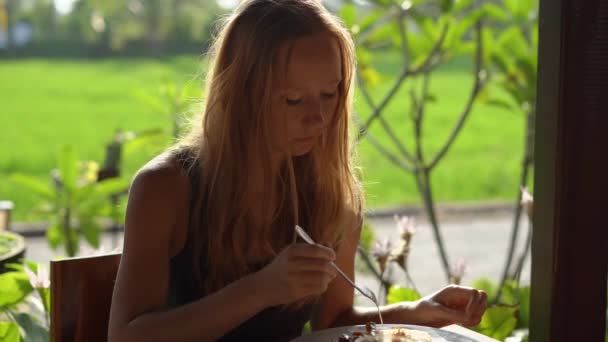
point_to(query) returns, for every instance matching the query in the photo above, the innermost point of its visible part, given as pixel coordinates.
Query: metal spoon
(364, 290)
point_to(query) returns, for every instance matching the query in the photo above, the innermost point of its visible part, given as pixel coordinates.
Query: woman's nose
(315, 114)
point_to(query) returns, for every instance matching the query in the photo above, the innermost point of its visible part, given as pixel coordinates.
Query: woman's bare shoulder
(158, 197)
(162, 175)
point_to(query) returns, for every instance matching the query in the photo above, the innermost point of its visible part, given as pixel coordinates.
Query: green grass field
(48, 103)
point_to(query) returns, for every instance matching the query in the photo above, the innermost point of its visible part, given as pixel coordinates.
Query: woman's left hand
(451, 305)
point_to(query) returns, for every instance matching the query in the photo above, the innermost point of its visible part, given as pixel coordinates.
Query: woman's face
(306, 97)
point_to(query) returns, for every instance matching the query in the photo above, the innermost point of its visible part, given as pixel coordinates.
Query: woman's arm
(158, 202)
(452, 304)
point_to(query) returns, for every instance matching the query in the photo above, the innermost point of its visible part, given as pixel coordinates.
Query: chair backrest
(81, 295)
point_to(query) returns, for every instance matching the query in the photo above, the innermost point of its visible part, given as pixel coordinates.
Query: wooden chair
(81, 294)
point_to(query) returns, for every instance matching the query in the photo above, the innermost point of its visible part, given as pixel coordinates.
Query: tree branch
(365, 257)
(418, 117)
(426, 66)
(403, 34)
(387, 128)
(390, 156)
(477, 86)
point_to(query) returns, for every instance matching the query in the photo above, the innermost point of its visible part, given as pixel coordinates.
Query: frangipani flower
(40, 279)
(458, 271)
(527, 200)
(400, 254)
(382, 252)
(406, 227)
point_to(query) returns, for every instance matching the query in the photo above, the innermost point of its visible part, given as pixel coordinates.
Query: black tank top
(271, 324)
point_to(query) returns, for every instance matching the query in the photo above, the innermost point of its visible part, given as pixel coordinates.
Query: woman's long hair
(231, 140)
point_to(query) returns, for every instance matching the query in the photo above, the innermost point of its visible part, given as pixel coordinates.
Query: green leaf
(446, 5)
(54, 234)
(152, 102)
(14, 267)
(34, 185)
(486, 285)
(91, 231)
(370, 76)
(500, 103)
(511, 85)
(501, 61)
(383, 2)
(83, 192)
(111, 187)
(367, 237)
(460, 5)
(521, 10)
(31, 265)
(528, 6)
(452, 35)
(75, 240)
(513, 42)
(419, 46)
(524, 307)
(509, 293)
(45, 295)
(398, 294)
(364, 57)
(498, 322)
(430, 98)
(68, 167)
(306, 330)
(528, 69)
(21, 267)
(15, 287)
(429, 27)
(370, 19)
(144, 139)
(495, 12)
(487, 38)
(466, 48)
(34, 331)
(386, 33)
(9, 332)
(534, 36)
(348, 13)
(466, 23)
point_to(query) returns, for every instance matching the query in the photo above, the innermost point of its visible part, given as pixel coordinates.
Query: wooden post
(570, 242)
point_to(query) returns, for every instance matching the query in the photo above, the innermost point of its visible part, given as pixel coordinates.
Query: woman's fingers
(301, 250)
(478, 308)
(469, 302)
(315, 282)
(473, 298)
(453, 315)
(454, 296)
(315, 265)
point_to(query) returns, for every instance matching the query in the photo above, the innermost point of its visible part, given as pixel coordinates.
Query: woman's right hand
(299, 271)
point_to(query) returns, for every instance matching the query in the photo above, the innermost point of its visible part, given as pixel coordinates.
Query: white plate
(332, 335)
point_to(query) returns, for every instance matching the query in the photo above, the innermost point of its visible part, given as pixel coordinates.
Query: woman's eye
(328, 95)
(292, 102)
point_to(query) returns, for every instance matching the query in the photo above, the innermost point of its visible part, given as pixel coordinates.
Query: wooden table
(468, 333)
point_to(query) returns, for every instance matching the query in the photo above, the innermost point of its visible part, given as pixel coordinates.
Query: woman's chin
(300, 151)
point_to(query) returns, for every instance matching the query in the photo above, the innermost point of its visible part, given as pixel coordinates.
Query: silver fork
(364, 290)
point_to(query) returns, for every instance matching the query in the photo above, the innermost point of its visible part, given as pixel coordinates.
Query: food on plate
(372, 334)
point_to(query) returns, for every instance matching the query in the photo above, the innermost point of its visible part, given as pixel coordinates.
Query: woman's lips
(306, 140)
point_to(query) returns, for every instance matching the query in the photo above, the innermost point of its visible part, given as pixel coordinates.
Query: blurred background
(444, 111)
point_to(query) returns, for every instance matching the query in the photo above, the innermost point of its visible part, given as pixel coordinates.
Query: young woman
(210, 251)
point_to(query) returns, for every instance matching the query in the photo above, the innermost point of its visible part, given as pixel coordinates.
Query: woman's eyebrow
(333, 82)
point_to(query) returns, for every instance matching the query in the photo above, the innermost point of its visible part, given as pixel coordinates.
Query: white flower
(527, 200)
(458, 271)
(39, 280)
(406, 227)
(381, 252)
